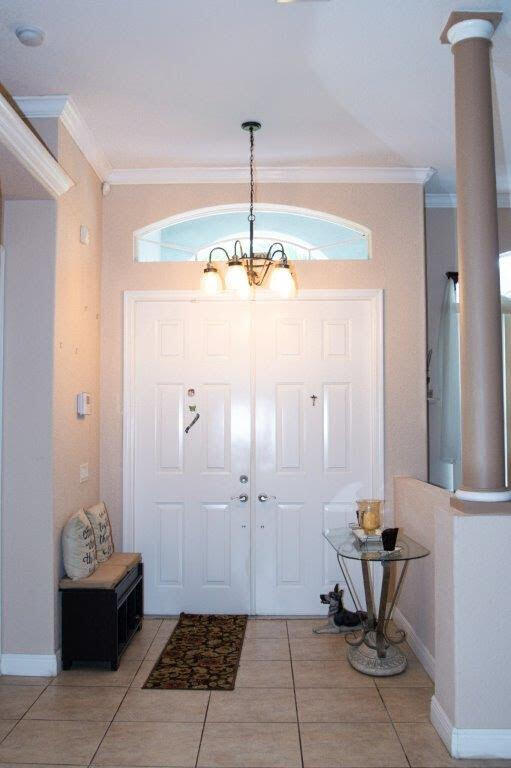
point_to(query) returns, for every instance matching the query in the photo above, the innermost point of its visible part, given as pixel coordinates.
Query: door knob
(265, 497)
(242, 497)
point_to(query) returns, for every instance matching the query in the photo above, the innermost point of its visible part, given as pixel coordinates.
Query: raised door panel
(216, 439)
(289, 428)
(337, 427)
(216, 544)
(170, 544)
(169, 428)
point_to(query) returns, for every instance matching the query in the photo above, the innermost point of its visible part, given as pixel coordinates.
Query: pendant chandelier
(247, 270)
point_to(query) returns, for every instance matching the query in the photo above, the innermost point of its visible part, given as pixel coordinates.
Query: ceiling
(166, 83)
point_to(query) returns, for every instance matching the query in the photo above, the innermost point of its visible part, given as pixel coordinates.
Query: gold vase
(371, 517)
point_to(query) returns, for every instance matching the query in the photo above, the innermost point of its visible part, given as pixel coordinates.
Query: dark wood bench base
(98, 624)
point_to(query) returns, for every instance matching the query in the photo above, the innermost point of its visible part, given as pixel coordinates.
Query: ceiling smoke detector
(31, 36)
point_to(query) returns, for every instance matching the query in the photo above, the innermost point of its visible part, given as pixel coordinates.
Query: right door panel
(315, 437)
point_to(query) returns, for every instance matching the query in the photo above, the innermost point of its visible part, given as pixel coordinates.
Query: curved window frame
(198, 213)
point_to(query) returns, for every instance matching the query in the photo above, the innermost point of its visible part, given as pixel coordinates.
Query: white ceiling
(346, 83)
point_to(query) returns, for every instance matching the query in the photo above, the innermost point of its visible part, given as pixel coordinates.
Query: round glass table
(373, 650)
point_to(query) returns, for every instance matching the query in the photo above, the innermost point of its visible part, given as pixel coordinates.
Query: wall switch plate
(84, 235)
(84, 472)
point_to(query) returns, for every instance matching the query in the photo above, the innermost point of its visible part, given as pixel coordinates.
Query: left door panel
(194, 539)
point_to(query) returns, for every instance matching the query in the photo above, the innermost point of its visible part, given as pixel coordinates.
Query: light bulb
(236, 278)
(211, 282)
(282, 281)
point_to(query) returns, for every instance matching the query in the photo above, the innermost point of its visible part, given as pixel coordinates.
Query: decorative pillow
(100, 522)
(79, 546)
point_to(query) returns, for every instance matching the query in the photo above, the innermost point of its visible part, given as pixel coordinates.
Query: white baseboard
(31, 665)
(423, 654)
(482, 743)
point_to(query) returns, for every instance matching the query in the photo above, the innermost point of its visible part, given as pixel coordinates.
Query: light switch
(84, 472)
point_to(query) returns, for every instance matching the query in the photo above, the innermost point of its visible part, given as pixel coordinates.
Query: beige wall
(27, 460)
(394, 213)
(76, 341)
(417, 505)
(51, 353)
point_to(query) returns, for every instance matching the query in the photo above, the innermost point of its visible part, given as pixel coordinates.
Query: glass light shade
(236, 278)
(282, 281)
(211, 282)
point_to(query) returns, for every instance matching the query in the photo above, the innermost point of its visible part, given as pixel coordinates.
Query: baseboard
(423, 654)
(481, 743)
(31, 665)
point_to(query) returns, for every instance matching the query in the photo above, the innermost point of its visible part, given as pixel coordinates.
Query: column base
(499, 494)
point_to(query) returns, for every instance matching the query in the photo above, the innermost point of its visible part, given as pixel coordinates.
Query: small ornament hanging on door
(314, 398)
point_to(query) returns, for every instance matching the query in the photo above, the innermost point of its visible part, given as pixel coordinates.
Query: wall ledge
(481, 507)
(31, 665)
(482, 743)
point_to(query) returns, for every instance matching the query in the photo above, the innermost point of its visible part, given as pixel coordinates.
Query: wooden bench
(101, 613)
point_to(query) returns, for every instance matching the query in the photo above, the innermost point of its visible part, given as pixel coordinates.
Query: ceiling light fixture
(30, 36)
(246, 270)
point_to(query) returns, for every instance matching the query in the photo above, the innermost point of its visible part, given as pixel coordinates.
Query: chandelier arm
(279, 252)
(218, 248)
(238, 247)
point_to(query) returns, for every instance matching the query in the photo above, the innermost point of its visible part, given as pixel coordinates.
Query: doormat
(202, 654)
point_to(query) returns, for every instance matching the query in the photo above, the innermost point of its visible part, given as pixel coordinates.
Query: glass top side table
(372, 649)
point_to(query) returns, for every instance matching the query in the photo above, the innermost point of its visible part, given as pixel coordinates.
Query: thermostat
(83, 404)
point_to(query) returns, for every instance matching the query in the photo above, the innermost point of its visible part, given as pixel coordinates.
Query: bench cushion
(129, 559)
(107, 575)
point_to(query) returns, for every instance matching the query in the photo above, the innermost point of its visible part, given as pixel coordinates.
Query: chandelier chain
(252, 185)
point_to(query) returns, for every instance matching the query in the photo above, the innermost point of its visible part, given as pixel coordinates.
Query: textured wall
(394, 213)
(76, 341)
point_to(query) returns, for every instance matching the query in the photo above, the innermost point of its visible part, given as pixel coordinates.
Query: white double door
(229, 515)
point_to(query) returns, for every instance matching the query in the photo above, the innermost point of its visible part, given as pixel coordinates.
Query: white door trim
(131, 298)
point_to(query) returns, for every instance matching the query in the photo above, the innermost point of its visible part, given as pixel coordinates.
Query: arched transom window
(306, 235)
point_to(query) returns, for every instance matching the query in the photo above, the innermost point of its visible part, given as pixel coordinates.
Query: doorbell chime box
(83, 404)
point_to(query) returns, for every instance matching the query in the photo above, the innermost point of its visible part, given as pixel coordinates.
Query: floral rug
(203, 653)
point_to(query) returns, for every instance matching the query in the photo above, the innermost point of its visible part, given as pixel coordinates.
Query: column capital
(463, 25)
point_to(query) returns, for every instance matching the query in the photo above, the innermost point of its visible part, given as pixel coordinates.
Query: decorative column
(482, 401)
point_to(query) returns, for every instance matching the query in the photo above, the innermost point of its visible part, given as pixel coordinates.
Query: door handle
(265, 497)
(242, 497)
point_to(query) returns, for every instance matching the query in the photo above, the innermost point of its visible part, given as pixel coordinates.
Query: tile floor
(297, 703)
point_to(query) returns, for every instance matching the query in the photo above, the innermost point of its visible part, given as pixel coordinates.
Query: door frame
(131, 298)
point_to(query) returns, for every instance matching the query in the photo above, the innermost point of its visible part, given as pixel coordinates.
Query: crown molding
(448, 200)
(64, 109)
(270, 174)
(31, 152)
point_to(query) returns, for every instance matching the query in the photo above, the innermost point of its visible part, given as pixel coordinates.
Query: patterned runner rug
(203, 653)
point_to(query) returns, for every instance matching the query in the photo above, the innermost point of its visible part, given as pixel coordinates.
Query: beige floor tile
(343, 705)
(407, 705)
(252, 705)
(425, 749)
(304, 627)
(142, 674)
(151, 744)
(156, 648)
(272, 745)
(329, 674)
(163, 706)
(414, 676)
(33, 741)
(259, 649)
(318, 648)
(16, 699)
(264, 674)
(266, 629)
(41, 682)
(86, 703)
(5, 727)
(102, 676)
(347, 745)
